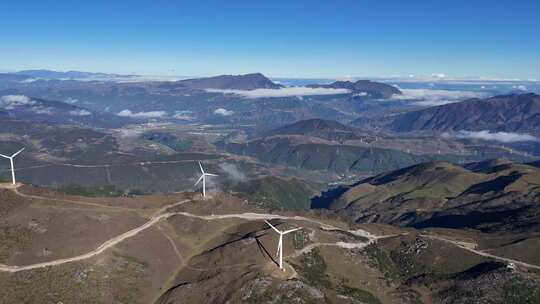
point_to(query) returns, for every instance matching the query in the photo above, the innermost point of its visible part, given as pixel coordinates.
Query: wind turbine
(203, 178)
(11, 161)
(280, 243)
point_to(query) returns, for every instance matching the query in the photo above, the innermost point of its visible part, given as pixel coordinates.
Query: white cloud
(223, 112)
(9, 102)
(360, 94)
(42, 110)
(519, 87)
(81, 112)
(150, 114)
(29, 80)
(129, 132)
(232, 171)
(504, 137)
(283, 92)
(438, 75)
(183, 115)
(71, 100)
(427, 97)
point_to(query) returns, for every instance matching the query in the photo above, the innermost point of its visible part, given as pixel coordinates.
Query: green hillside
(497, 196)
(271, 192)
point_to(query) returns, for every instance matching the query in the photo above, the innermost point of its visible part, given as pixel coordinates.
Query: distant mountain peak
(50, 74)
(509, 113)
(250, 81)
(369, 88)
(257, 74)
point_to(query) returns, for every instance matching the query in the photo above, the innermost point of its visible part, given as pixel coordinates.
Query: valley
(270, 152)
(107, 209)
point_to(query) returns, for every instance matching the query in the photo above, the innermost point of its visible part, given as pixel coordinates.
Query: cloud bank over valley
(283, 92)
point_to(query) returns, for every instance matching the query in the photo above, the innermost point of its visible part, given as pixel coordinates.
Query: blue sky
(475, 38)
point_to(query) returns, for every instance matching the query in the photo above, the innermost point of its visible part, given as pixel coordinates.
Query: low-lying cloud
(504, 137)
(232, 172)
(427, 97)
(360, 94)
(42, 110)
(519, 87)
(283, 92)
(130, 132)
(71, 100)
(438, 75)
(223, 112)
(9, 102)
(183, 115)
(81, 112)
(29, 80)
(150, 114)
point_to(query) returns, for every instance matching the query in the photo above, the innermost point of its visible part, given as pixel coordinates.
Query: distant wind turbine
(280, 243)
(203, 178)
(12, 165)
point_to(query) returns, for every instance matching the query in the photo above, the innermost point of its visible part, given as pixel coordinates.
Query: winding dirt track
(162, 214)
(482, 253)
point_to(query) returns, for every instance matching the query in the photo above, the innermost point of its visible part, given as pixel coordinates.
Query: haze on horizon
(489, 39)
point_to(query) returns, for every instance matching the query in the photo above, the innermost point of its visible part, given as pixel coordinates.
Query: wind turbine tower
(12, 165)
(280, 243)
(203, 179)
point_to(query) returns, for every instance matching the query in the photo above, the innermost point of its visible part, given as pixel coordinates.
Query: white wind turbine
(12, 165)
(280, 243)
(203, 178)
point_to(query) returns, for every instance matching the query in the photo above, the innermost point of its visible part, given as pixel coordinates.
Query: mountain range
(325, 145)
(24, 108)
(226, 82)
(363, 87)
(49, 74)
(490, 196)
(108, 211)
(509, 113)
(204, 100)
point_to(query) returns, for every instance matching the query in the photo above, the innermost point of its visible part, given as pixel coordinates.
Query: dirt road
(162, 214)
(467, 247)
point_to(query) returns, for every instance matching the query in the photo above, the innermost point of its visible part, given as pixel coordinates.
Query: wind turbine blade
(199, 180)
(272, 226)
(16, 153)
(209, 174)
(200, 166)
(279, 246)
(288, 231)
(4, 156)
